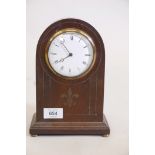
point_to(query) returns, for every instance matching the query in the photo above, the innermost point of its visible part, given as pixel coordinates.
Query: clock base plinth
(69, 128)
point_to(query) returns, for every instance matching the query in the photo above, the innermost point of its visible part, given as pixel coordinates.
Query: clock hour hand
(62, 59)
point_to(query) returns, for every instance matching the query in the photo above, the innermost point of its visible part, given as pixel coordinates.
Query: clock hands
(69, 53)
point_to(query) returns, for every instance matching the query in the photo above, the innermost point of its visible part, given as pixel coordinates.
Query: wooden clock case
(81, 98)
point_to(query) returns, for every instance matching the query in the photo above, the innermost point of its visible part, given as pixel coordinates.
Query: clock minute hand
(66, 48)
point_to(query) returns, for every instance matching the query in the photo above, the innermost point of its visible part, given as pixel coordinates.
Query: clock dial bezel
(74, 30)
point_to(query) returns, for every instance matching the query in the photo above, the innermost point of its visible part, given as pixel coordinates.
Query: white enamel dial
(70, 54)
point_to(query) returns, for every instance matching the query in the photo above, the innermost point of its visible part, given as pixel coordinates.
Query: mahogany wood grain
(85, 114)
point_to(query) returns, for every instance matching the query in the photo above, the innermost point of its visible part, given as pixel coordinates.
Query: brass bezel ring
(64, 31)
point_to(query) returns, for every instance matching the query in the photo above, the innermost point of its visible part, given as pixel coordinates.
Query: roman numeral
(87, 55)
(71, 37)
(56, 44)
(62, 40)
(53, 53)
(69, 70)
(62, 67)
(56, 61)
(84, 62)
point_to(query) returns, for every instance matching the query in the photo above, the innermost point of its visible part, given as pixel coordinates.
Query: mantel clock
(70, 66)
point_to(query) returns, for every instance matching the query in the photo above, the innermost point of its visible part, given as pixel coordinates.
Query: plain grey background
(110, 18)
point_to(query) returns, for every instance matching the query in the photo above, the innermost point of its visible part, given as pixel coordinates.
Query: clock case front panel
(81, 98)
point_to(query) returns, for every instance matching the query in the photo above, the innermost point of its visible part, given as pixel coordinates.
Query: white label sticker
(53, 113)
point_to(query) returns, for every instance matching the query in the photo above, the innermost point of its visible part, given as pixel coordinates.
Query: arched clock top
(82, 33)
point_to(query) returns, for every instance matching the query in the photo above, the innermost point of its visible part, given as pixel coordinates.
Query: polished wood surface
(81, 98)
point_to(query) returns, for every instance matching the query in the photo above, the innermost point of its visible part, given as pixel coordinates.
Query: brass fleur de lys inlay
(69, 99)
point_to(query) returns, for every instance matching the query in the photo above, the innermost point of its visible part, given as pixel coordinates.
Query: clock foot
(69, 128)
(34, 135)
(106, 135)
